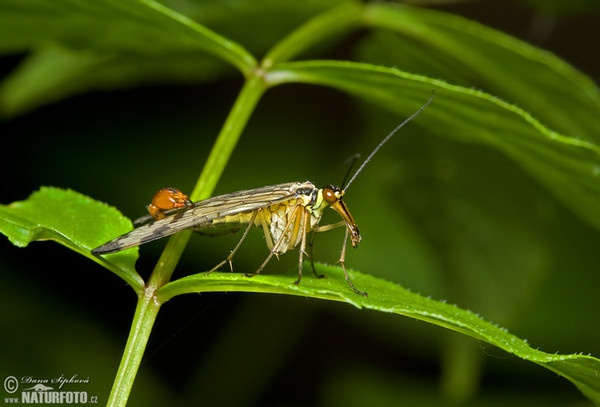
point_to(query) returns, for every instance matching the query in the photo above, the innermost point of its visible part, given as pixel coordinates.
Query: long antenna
(350, 163)
(389, 136)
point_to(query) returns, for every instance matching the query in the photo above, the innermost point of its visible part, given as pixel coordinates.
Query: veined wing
(205, 212)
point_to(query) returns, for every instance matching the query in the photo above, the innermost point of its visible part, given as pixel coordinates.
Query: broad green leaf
(54, 72)
(73, 220)
(324, 27)
(450, 47)
(388, 297)
(446, 215)
(257, 24)
(135, 26)
(125, 43)
(64, 63)
(568, 166)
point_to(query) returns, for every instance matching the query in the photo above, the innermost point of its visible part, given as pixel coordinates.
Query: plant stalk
(148, 305)
(143, 320)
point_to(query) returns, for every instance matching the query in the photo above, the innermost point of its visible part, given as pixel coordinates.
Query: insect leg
(304, 224)
(331, 226)
(310, 254)
(229, 258)
(272, 246)
(283, 239)
(319, 228)
(265, 226)
(342, 261)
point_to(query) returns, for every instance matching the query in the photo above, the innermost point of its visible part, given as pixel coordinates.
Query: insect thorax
(291, 216)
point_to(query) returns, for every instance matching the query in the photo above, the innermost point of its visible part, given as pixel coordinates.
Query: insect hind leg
(311, 242)
(272, 246)
(229, 258)
(263, 265)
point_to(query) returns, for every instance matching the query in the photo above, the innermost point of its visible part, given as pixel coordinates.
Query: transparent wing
(204, 213)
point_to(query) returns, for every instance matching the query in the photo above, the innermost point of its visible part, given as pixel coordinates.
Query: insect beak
(340, 207)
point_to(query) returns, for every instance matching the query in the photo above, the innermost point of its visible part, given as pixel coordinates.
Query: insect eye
(329, 195)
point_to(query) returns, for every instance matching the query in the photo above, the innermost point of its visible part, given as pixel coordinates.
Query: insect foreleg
(342, 261)
(331, 226)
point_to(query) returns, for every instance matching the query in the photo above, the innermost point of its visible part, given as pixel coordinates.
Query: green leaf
(64, 63)
(54, 72)
(141, 27)
(73, 220)
(567, 166)
(256, 23)
(388, 297)
(442, 45)
(122, 39)
(333, 23)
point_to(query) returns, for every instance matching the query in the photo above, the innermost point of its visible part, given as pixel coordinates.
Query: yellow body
(283, 223)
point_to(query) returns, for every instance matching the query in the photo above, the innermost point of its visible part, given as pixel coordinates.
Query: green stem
(461, 368)
(253, 89)
(321, 28)
(143, 320)
(148, 305)
(232, 129)
(211, 173)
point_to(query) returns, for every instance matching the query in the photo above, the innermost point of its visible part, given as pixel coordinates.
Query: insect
(287, 213)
